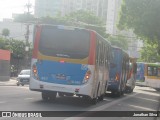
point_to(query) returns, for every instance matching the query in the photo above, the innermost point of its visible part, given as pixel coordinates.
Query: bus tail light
(87, 76)
(117, 77)
(35, 72)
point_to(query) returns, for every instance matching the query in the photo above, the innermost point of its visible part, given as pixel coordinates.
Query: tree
(84, 19)
(87, 20)
(143, 17)
(23, 18)
(4, 44)
(119, 41)
(5, 32)
(149, 54)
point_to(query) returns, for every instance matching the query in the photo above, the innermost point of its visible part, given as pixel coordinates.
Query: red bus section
(4, 65)
(4, 55)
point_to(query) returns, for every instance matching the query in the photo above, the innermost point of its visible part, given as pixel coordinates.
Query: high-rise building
(113, 15)
(98, 7)
(134, 45)
(47, 8)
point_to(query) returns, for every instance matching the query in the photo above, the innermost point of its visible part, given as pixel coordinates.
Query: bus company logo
(6, 114)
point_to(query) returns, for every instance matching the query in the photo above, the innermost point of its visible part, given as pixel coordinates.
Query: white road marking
(1, 102)
(143, 108)
(103, 107)
(28, 98)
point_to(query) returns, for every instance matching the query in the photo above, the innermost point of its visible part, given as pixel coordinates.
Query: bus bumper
(40, 86)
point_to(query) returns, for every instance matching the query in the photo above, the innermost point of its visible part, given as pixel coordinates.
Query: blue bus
(119, 68)
(69, 61)
(140, 72)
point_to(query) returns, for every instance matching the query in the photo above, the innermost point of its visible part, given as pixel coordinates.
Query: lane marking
(143, 108)
(102, 107)
(148, 99)
(28, 98)
(1, 102)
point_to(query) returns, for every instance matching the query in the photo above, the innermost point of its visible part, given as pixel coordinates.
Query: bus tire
(44, 96)
(131, 90)
(157, 89)
(61, 94)
(94, 101)
(52, 96)
(101, 98)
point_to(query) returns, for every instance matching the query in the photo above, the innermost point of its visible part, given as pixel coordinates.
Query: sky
(7, 7)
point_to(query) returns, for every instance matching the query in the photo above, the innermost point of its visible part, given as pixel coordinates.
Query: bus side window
(154, 71)
(158, 72)
(97, 52)
(149, 71)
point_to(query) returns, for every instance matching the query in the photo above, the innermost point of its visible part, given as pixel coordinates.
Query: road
(20, 98)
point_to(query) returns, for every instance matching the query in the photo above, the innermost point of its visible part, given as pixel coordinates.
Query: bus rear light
(87, 76)
(62, 61)
(117, 77)
(35, 72)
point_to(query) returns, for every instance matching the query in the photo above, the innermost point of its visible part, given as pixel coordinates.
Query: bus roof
(153, 64)
(72, 28)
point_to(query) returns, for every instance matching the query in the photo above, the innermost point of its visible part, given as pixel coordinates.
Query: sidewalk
(11, 82)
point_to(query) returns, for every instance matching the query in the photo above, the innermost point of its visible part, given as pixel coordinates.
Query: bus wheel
(118, 93)
(52, 96)
(131, 90)
(61, 94)
(122, 92)
(94, 101)
(157, 89)
(101, 97)
(44, 96)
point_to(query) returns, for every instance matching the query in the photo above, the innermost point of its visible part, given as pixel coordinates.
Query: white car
(23, 78)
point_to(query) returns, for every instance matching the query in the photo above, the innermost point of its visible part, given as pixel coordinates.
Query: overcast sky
(7, 7)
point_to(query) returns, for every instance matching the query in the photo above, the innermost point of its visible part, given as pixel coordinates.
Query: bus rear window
(64, 43)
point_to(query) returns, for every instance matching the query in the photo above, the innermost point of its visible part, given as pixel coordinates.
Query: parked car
(23, 78)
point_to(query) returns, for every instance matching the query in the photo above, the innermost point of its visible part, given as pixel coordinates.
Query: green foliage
(18, 49)
(143, 17)
(5, 32)
(119, 41)
(149, 53)
(4, 44)
(25, 18)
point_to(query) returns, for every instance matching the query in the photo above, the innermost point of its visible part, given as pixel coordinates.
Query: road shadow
(66, 101)
(110, 95)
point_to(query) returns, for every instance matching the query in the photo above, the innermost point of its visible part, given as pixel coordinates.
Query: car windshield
(25, 72)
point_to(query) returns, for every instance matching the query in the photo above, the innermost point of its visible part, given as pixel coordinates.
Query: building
(98, 7)
(134, 45)
(112, 15)
(47, 8)
(17, 30)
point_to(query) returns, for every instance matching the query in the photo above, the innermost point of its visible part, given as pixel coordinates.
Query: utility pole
(28, 6)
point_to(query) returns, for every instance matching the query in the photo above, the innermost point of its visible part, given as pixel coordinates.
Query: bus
(131, 79)
(4, 65)
(140, 72)
(118, 71)
(152, 75)
(69, 61)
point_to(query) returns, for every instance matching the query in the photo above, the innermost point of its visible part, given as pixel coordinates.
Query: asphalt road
(20, 98)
